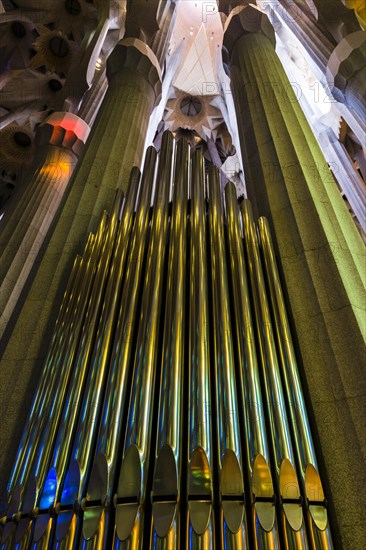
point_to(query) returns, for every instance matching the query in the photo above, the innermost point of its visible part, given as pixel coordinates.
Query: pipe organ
(169, 413)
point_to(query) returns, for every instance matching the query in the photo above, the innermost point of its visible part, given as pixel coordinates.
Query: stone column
(63, 136)
(321, 258)
(334, 44)
(116, 144)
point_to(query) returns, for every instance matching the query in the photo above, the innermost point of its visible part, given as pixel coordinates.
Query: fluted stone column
(63, 136)
(348, 178)
(321, 259)
(116, 144)
(334, 44)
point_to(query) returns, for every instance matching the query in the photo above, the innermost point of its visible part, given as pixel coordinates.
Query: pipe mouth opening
(232, 491)
(199, 490)
(315, 497)
(97, 495)
(127, 499)
(69, 496)
(290, 495)
(29, 496)
(263, 493)
(12, 509)
(49, 490)
(165, 491)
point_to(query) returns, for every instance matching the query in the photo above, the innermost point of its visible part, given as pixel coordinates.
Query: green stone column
(321, 257)
(116, 143)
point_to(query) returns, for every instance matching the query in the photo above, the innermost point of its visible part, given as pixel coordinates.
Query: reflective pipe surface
(233, 517)
(257, 460)
(46, 488)
(200, 521)
(168, 462)
(100, 486)
(50, 407)
(79, 376)
(319, 532)
(67, 309)
(132, 484)
(291, 516)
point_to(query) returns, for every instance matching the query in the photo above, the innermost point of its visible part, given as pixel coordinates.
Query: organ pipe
(169, 412)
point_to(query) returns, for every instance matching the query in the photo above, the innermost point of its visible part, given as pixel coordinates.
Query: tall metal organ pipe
(263, 514)
(233, 524)
(41, 438)
(168, 462)
(291, 516)
(132, 484)
(170, 414)
(200, 520)
(107, 441)
(312, 489)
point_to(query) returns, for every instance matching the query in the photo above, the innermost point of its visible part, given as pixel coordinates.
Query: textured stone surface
(322, 263)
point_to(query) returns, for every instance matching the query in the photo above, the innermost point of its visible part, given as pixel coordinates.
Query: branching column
(321, 255)
(63, 136)
(115, 145)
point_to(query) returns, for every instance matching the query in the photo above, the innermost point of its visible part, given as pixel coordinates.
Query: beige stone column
(63, 136)
(321, 258)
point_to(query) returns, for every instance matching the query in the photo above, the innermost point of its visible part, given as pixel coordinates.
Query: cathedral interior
(182, 274)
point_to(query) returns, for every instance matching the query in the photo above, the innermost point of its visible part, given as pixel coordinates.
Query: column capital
(245, 20)
(134, 54)
(66, 130)
(347, 59)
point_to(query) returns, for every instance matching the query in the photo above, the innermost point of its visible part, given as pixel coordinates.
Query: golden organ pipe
(264, 528)
(319, 532)
(136, 452)
(291, 514)
(67, 308)
(200, 521)
(75, 483)
(65, 356)
(73, 402)
(40, 460)
(233, 523)
(127, 351)
(55, 381)
(168, 471)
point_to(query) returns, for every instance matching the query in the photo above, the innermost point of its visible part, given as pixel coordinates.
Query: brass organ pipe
(264, 528)
(68, 304)
(168, 461)
(110, 429)
(319, 535)
(200, 522)
(233, 517)
(66, 309)
(110, 426)
(54, 390)
(136, 452)
(72, 405)
(291, 514)
(58, 379)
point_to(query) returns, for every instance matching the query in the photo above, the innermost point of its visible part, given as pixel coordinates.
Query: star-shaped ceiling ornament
(192, 113)
(54, 50)
(17, 147)
(74, 17)
(16, 39)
